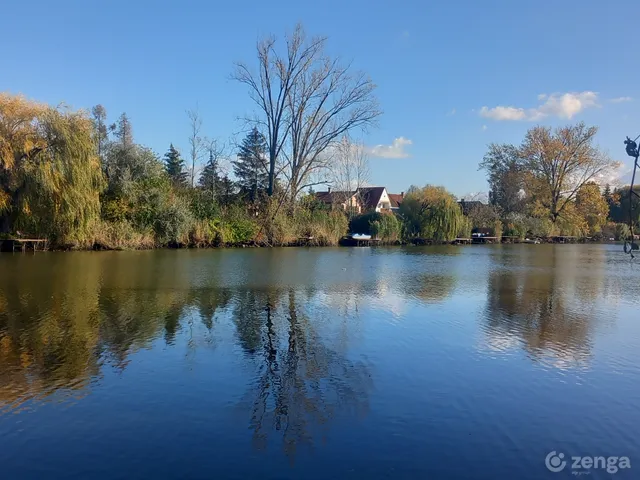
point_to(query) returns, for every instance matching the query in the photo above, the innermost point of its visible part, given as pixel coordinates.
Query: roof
(370, 197)
(395, 199)
(468, 205)
(333, 197)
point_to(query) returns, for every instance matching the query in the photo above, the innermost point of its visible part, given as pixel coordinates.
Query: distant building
(365, 199)
(396, 200)
(467, 206)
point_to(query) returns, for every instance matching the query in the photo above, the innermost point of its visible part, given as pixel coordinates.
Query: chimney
(401, 194)
(328, 189)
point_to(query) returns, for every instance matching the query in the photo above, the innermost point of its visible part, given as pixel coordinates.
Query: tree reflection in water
(62, 325)
(302, 382)
(548, 307)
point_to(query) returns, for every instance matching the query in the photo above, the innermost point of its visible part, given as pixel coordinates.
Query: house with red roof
(362, 200)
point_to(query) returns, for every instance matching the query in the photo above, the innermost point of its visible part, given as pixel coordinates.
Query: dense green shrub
(387, 228)
(516, 225)
(384, 226)
(203, 204)
(173, 222)
(362, 223)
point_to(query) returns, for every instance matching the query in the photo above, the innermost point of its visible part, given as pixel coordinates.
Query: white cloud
(395, 150)
(621, 100)
(565, 105)
(503, 113)
(484, 127)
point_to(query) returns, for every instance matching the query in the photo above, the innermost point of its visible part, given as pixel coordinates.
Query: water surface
(436, 362)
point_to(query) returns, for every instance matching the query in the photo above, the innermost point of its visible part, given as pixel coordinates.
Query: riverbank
(7, 245)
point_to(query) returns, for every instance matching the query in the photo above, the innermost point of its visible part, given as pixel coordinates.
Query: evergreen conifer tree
(174, 165)
(250, 166)
(210, 177)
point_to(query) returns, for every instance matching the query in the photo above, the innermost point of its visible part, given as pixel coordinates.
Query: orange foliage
(18, 129)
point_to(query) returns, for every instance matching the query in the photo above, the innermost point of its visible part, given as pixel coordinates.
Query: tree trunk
(272, 169)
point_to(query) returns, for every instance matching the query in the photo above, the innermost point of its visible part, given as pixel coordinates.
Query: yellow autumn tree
(592, 206)
(50, 175)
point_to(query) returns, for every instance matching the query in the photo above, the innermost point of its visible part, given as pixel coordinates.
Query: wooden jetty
(23, 244)
(350, 241)
(484, 239)
(461, 241)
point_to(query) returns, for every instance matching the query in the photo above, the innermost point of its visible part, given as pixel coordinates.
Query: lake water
(435, 362)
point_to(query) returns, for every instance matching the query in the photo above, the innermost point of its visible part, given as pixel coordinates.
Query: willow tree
(431, 213)
(50, 175)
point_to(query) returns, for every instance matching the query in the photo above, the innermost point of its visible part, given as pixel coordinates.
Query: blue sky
(436, 64)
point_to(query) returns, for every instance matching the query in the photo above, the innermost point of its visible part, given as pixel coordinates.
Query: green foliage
(203, 205)
(465, 227)
(362, 223)
(173, 222)
(622, 232)
(311, 202)
(384, 226)
(387, 228)
(540, 227)
(431, 213)
(123, 131)
(53, 188)
(516, 225)
(210, 181)
(250, 166)
(174, 165)
(146, 199)
(236, 227)
(124, 166)
(550, 174)
(506, 175)
(325, 228)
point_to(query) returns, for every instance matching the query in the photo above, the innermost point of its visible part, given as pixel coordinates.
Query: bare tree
(326, 103)
(270, 88)
(349, 172)
(197, 144)
(560, 162)
(307, 101)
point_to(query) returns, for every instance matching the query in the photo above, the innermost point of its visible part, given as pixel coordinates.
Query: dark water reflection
(347, 363)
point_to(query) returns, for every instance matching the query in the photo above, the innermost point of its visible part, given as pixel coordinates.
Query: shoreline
(256, 245)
